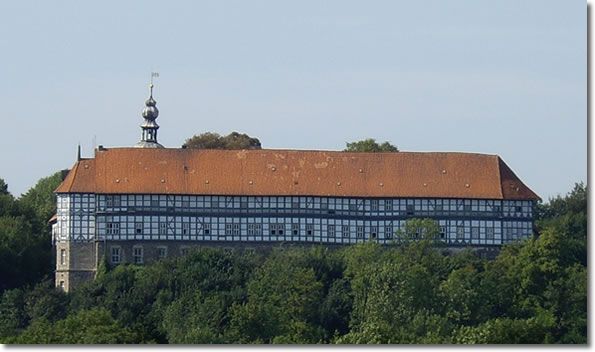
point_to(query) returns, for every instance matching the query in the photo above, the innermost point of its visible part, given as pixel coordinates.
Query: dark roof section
(294, 172)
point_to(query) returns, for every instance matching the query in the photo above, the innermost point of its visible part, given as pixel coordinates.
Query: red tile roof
(295, 172)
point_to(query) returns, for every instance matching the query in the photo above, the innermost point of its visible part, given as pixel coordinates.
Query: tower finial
(149, 127)
(78, 154)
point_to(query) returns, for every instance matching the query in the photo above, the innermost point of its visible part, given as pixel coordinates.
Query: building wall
(151, 222)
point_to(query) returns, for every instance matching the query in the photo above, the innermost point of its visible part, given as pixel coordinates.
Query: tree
(95, 326)
(282, 306)
(41, 198)
(3, 187)
(211, 140)
(370, 146)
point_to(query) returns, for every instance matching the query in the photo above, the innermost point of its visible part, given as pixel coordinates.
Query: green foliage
(25, 240)
(211, 140)
(12, 313)
(95, 326)
(370, 146)
(41, 198)
(3, 187)
(282, 304)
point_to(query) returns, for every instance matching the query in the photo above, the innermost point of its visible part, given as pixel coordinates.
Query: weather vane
(153, 75)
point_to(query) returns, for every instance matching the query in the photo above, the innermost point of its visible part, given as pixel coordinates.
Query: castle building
(143, 203)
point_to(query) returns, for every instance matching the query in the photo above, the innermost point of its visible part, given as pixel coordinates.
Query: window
(345, 230)
(137, 255)
(442, 232)
(162, 252)
(295, 204)
(475, 233)
(359, 232)
(62, 256)
(62, 286)
(331, 231)
(324, 203)
(295, 229)
(112, 201)
(232, 229)
(116, 255)
(373, 232)
(410, 209)
(254, 229)
(388, 232)
(162, 228)
(138, 228)
(309, 229)
(518, 209)
(206, 228)
(460, 232)
(185, 204)
(352, 207)
(113, 228)
(490, 233)
(185, 228)
(277, 229)
(374, 205)
(388, 205)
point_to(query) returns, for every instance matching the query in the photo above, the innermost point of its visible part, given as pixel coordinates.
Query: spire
(78, 153)
(149, 127)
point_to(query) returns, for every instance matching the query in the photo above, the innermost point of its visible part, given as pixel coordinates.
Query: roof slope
(294, 172)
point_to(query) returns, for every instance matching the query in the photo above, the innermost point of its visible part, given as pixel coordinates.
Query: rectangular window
(295, 229)
(138, 228)
(388, 232)
(62, 286)
(113, 228)
(374, 205)
(254, 229)
(410, 209)
(345, 230)
(490, 233)
(206, 228)
(137, 255)
(185, 204)
(373, 232)
(162, 252)
(475, 233)
(442, 232)
(116, 254)
(162, 228)
(62, 256)
(388, 205)
(309, 229)
(112, 201)
(232, 229)
(331, 231)
(185, 228)
(295, 204)
(460, 232)
(277, 229)
(359, 232)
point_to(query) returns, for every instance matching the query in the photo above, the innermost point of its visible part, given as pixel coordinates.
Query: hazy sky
(497, 77)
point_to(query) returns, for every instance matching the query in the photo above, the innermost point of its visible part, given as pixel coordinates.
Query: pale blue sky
(497, 77)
